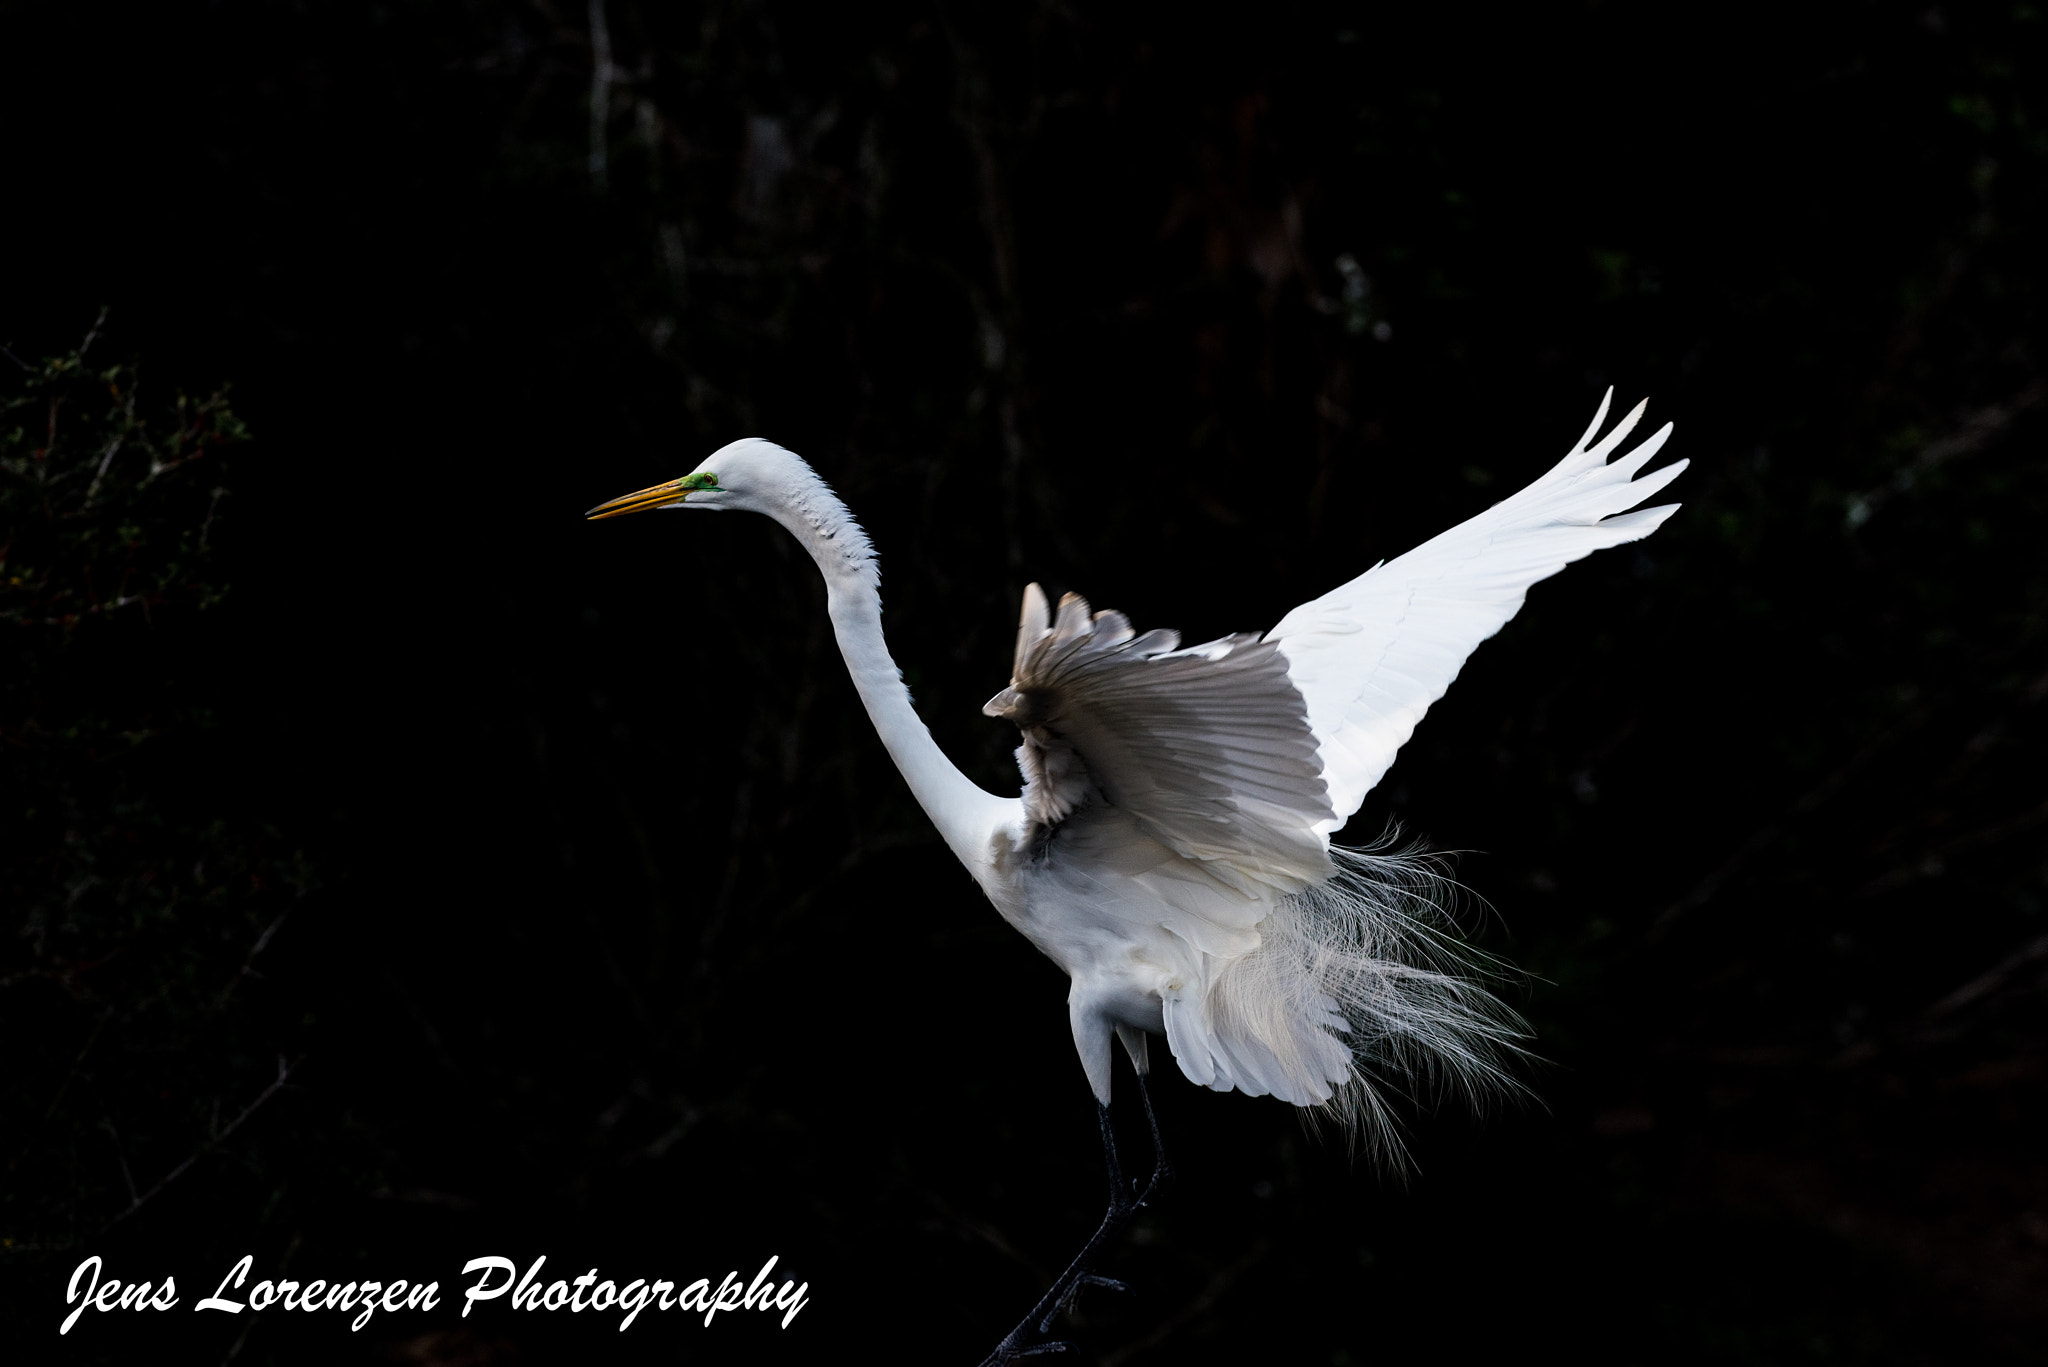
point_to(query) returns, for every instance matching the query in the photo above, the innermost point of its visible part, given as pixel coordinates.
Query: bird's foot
(1029, 1337)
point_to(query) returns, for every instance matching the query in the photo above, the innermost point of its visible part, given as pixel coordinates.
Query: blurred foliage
(138, 897)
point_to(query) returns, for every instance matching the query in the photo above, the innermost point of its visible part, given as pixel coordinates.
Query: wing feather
(1370, 656)
(1208, 749)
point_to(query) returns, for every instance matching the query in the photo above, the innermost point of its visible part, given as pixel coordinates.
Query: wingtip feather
(1598, 418)
(1639, 523)
(1033, 622)
(1035, 611)
(1649, 484)
(1613, 439)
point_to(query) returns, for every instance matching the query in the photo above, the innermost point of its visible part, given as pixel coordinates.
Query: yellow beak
(654, 496)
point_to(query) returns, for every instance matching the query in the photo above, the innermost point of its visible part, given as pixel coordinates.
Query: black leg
(1162, 1171)
(1029, 1339)
(1118, 1193)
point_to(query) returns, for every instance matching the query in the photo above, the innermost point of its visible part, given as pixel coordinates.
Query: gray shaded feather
(1208, 748)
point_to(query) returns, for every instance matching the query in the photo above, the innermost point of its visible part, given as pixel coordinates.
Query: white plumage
(1370, 656)
(1171, 847)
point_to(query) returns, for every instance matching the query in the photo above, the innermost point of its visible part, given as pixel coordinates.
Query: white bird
(1171, 847)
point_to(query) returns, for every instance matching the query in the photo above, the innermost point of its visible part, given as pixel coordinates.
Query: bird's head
(752, 474)
(760, 477)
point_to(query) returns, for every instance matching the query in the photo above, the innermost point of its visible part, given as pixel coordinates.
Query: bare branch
(93, 335)
(1768, 835)
(250, 958)
(1977, 430)
(1219, 1285)
(284, 1071)
(1986, 983)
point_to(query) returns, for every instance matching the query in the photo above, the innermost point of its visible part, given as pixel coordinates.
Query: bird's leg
(1028, 1338)
(1121, 1208)
(1162, 1170)
(1119, 1194)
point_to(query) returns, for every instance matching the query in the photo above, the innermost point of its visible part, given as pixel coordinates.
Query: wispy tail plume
(1373, 954)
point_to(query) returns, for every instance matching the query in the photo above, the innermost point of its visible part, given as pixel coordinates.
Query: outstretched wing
(1370, 656)
(1208, 749)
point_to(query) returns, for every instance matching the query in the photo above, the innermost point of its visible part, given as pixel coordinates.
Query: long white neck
(965, 814)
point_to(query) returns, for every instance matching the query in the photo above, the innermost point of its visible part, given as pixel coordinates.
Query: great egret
(1171, 848)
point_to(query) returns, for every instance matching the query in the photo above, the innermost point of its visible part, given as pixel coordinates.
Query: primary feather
(1370, 656)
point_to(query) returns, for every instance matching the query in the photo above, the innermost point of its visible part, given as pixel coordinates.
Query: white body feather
(1171, 849)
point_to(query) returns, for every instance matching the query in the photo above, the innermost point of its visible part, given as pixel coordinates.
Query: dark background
(558, 866)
